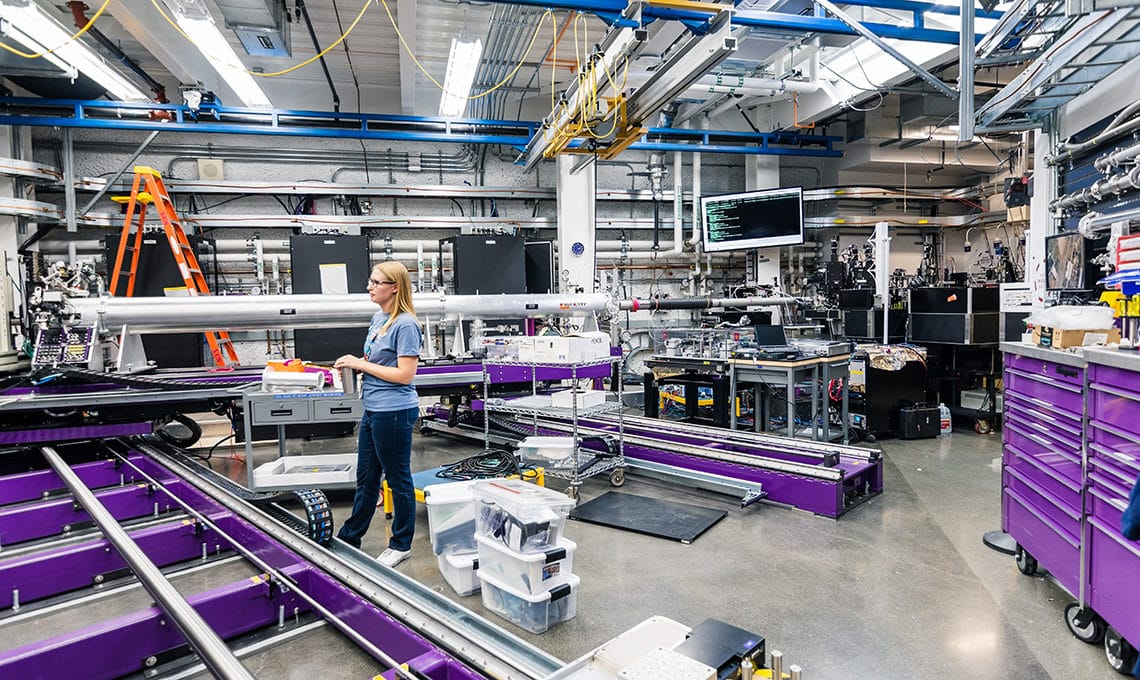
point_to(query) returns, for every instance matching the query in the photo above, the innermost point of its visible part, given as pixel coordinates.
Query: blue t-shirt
(402, 339)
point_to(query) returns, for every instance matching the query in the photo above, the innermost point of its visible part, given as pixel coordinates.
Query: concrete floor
(901, 587)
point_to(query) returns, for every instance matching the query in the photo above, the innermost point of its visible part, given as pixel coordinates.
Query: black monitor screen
(1067, 262)
(757, 219)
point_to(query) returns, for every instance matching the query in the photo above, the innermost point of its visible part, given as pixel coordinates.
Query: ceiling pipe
(317, 46)
(79, 16)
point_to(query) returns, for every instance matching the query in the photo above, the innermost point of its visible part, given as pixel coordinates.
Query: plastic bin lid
(517, 493)
(462, 560)
(547, 442)
(556, 593)
(559, 551)
(449, 492)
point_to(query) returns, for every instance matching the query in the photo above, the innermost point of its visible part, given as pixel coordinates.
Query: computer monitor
(756, 219)
(1068, 265)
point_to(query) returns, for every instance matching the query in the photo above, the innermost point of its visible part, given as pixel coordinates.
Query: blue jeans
(384, 448)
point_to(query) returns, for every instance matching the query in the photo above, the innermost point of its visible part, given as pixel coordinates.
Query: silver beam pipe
(262, 312)
(205, 642)
(703, 303)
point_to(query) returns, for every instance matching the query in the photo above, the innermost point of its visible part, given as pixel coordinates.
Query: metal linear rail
(210, 648)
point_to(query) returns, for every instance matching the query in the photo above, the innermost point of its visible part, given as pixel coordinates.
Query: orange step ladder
(148, 188)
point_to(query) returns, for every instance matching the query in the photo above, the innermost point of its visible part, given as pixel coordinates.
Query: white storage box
(529, 573)
(535, 613)
(451, 517)
(550, 449)
(523, 517)
(586, 398)
(508, 348)
(459, 570)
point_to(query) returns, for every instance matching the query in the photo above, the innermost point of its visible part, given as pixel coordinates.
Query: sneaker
(390, 557)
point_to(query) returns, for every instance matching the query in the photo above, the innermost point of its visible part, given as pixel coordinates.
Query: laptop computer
(771, 340)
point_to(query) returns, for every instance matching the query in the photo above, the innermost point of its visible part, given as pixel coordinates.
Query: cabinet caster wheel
(983, 426)
(870, 439)
(1121, 655)
(617, 477)
(1092, 631)
(1026, 563)
(572, 492)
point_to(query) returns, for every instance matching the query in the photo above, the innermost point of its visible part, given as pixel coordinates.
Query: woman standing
(391, 406)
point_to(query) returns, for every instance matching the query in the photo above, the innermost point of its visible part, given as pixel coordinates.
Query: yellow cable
(73, 38)
(274, 74)
(504, 81)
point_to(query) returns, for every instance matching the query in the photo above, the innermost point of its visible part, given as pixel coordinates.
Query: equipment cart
(570, 404)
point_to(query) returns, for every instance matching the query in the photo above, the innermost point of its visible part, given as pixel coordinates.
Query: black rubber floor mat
(649, 516)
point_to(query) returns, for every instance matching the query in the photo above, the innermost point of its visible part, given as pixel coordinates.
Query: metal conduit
(205, 642)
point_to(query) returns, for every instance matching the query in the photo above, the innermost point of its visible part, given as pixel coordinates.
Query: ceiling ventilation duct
(262, 26)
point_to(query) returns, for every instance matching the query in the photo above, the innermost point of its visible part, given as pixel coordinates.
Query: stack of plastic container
(451, 525)
(525, 564)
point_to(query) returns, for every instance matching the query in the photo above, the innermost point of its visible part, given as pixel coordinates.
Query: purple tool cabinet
(1070, 456)
(1041, 461)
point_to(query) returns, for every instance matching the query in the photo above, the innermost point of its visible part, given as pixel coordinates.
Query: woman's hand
(349, 361)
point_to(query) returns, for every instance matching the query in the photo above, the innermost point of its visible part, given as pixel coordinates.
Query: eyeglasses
(374, 282)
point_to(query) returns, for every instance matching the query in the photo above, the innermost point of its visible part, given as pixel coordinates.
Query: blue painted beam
(920, 7)
(228, 120)
(778, 21)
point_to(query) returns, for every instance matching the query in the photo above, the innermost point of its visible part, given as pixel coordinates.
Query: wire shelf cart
(577, 467)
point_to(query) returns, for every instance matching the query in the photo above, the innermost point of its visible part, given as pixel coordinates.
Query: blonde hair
(392, 270)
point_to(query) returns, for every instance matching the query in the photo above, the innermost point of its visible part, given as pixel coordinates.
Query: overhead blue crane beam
(107, 115)
(773, 21)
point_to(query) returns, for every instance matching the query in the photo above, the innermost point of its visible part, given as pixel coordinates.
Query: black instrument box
(919, 422)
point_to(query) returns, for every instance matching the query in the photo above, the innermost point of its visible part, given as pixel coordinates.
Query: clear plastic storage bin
(527, 572)
(451, 517)
(523, 517)
(459, 571)
(536, 613)
(549, 449)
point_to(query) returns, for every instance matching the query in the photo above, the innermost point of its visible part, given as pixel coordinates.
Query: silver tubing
(209, 647)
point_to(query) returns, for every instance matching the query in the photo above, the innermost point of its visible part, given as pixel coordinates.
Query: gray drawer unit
(280, 411)
(337, 409)
(298, 472)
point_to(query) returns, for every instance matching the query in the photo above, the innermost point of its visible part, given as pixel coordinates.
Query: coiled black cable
(484, 465)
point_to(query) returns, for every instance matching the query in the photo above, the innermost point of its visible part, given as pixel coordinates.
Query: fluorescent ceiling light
(37, 31)
(462, 63)
(196, 22)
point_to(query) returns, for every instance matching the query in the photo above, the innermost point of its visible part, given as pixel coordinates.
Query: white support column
(576, 238)
(10, 238)
(763, 172)
(1040, 220)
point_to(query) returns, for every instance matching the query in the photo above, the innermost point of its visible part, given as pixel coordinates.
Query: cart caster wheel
(572, 492)
(1121, 655)
(1091, 632)
(1026, 563)
(983, 426)
(617, 477)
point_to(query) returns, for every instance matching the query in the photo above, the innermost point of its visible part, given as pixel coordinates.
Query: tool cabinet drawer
(337, 410)
(1048, 370)
(283, 411)
(1045, 392)
(1053, 547)
(1114, 578)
